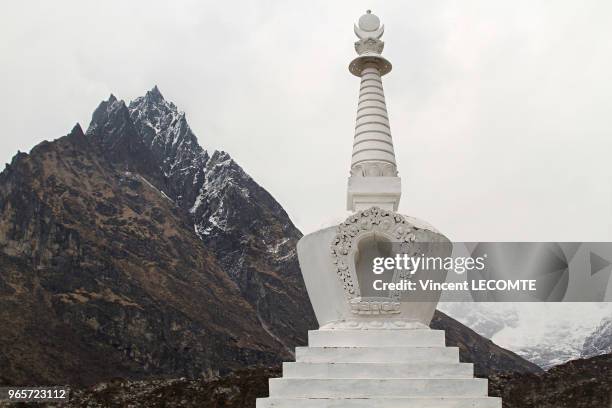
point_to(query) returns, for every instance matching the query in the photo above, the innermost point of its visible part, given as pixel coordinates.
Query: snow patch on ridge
(161, 193)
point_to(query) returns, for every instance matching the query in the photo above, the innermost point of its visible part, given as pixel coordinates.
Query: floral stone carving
(387, 223)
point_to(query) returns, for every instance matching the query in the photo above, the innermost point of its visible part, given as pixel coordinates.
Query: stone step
(378, 370)
(376, 354)
(423, 402)
(372, 388)
(376, 338)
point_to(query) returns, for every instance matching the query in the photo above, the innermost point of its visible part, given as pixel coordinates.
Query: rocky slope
(102, 273)
(102, 277)
(239, 389)
(249, 232)
(575, 384)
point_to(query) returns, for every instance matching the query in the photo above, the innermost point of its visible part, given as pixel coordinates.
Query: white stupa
(373, 349)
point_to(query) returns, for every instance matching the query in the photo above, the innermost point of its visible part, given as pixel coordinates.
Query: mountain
(130, 251)
(518, 327)
(486, 319)
(101, 261)
(548, 355)
(492, 319)
(600, 341)
(250, 233)
(108, 279)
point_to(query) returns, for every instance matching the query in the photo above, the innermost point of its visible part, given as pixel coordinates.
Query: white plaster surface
(367, 387)
(327, 294)
(366, 192)
(376, 338)
(378, 368)
(376, 354)
(388, 402)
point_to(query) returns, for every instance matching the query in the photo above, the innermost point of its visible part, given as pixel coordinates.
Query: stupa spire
(373, 179)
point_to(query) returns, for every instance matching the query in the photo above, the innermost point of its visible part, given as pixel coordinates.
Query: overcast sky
(501, 112)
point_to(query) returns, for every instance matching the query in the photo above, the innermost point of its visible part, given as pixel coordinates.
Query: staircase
(378, 369)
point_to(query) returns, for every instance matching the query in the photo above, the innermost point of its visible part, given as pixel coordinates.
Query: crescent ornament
(376, 34)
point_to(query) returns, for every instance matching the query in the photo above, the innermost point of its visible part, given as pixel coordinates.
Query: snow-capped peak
(155, 93)
(165, 130)
(109, 120)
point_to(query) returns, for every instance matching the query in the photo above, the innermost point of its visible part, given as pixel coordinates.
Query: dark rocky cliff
(102, 276)
(104, 270)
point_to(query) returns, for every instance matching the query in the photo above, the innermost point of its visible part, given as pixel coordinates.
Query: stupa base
(378, 368)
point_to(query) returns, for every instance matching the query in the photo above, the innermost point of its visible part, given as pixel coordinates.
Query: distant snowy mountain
(600, 341)
(547, 334)
(486, 319)
(550, 355)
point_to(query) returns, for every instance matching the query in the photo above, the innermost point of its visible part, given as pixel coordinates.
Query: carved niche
(361, 225)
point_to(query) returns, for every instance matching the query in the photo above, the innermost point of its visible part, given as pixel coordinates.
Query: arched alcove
(369, 247)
